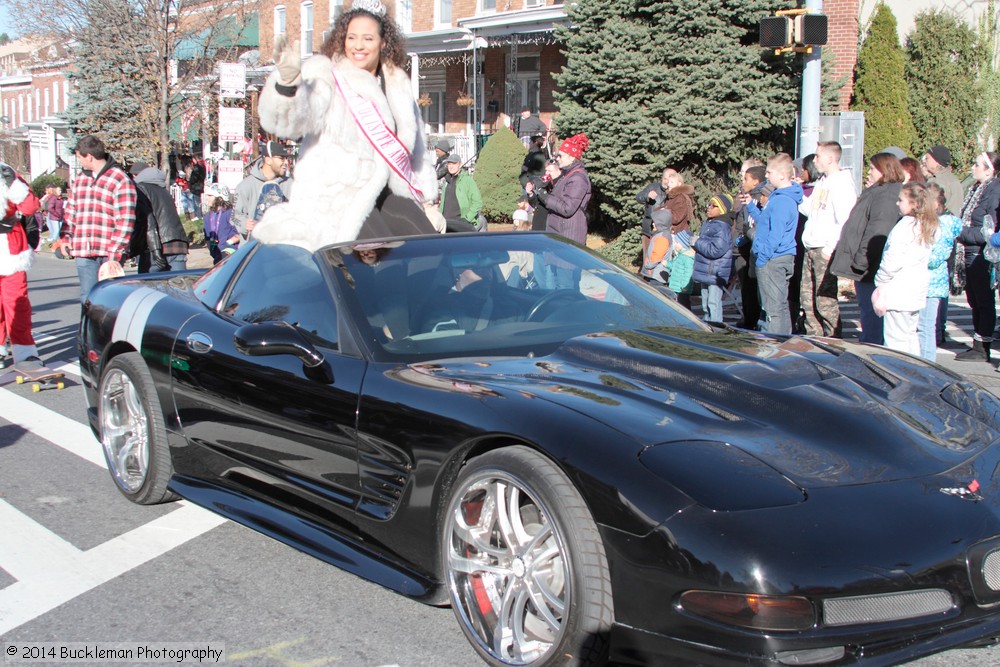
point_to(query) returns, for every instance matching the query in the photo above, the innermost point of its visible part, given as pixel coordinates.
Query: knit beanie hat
(940, 154)
(575, 146)
(724, 203)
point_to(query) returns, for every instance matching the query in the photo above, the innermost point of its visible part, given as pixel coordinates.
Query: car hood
(822, 412)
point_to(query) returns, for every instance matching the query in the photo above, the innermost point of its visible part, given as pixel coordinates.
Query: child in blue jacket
(713, 259)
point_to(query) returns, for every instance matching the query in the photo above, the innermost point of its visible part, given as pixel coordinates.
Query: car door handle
(198, 342)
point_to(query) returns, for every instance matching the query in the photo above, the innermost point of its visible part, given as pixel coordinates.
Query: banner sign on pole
(232, 121)
(232, 81)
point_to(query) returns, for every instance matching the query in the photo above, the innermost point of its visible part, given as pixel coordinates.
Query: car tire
(531, 588)
(132, 432)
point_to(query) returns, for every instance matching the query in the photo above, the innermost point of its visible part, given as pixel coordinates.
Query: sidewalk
(199, 257)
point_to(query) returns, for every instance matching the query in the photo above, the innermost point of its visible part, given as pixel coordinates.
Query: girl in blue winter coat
(713, 259)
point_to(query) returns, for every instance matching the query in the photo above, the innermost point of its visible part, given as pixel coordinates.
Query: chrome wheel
(525, 563)
(507, 570)
(124, 430)
(132, 432)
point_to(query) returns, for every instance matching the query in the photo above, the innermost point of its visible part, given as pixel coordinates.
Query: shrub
(625, 250)
(945, 99)
(498, 169)
(880, 88)
(699, 91)
(46, 180)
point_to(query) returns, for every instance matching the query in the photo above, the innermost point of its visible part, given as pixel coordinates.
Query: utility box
(848, 129)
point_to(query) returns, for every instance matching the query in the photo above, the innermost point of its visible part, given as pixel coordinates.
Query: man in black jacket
(168, 242)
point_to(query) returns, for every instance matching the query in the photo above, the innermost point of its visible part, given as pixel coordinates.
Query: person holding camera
(652, 197)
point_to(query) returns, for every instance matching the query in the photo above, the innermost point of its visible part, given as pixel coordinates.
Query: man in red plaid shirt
(100, 212)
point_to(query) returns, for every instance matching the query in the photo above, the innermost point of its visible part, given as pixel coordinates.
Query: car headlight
(760, 612)
(720, 476)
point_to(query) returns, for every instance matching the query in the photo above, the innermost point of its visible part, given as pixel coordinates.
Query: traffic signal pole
(811, 77)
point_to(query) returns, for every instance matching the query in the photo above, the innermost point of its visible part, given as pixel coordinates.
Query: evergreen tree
(126, 92)
(880, 87)
(680, 83)
(498, 168)
(830, 85)
(941, 72)
(989, 73)
(113, 93)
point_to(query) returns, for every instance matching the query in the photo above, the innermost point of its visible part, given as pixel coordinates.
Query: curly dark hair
(393, 45)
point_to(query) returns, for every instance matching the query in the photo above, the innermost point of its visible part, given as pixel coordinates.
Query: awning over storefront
(229, 32)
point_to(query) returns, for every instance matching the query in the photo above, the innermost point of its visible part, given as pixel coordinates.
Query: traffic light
(793, 29)
(811, 30)
(775, 32)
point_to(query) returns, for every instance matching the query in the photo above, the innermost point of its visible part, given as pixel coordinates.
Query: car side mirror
(267, 338)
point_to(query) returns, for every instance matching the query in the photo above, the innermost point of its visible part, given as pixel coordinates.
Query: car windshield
(496, 294)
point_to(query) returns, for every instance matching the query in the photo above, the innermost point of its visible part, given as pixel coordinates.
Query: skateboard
(40, 376)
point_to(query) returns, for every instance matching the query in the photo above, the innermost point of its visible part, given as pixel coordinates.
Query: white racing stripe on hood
(133, 314)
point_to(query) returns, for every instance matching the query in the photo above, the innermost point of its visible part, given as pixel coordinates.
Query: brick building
(475, 60)
(33, 93)
(472, 62)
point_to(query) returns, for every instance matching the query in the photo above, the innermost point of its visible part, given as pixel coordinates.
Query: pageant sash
(382, 139)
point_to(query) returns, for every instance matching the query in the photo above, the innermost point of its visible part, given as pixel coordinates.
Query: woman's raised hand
(287, 60)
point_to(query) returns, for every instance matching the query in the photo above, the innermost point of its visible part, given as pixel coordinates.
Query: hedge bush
(46, 180)
(498, 169)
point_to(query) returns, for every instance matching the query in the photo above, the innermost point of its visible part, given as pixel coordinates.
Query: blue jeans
(927, 328)
(942, 318)
(192, 203)
(772, 281)
(175, 262)
(55, 226)
(871, 324)
(86, 269)
(711, 302)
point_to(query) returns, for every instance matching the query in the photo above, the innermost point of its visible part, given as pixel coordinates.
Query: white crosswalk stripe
(49, 570)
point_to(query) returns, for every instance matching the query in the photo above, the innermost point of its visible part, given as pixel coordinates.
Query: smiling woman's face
(363, 43)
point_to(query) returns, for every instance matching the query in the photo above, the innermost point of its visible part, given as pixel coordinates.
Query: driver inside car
(477, 298)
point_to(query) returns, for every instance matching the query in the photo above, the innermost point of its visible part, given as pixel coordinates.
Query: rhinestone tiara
(371, 6)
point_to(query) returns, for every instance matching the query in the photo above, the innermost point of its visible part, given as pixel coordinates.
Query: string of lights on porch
(464, 58)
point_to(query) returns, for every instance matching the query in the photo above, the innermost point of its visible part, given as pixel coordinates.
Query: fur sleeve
(303, 113)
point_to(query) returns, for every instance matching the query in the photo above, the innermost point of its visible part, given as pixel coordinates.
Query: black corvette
(586, 472)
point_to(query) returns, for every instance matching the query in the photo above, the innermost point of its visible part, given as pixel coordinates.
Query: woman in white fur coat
(363, 171)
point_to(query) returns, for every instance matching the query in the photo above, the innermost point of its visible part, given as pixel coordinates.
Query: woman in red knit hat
(567, 203)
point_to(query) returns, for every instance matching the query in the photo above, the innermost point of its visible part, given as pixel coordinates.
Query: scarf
(972, 200)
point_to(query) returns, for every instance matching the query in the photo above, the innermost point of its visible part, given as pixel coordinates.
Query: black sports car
(585, 471)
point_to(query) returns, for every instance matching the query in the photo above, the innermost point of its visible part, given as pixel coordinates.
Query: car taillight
(92, 356)
(761, 612)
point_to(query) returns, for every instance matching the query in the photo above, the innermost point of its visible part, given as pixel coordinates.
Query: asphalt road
(81, 565)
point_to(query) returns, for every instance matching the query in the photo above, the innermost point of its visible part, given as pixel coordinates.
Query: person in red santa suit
(18, 239)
